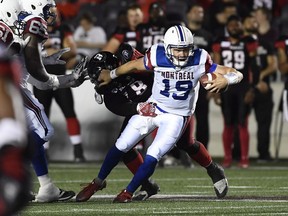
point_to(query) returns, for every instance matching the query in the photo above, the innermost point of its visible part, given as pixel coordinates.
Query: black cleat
(216, 173)
(147, 190)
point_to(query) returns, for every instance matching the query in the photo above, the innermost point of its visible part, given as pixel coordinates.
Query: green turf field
(258, 190)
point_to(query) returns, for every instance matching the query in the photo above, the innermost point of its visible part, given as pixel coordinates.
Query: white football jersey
(175, 90)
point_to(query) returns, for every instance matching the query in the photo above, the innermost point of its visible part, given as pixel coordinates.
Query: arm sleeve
(65, 81)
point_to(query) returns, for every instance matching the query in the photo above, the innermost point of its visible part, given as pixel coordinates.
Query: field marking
(190, 209)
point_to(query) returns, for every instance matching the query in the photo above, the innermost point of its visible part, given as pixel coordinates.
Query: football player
(238, 52)
(30, 19)
(123, 97)
(60, 36)
(177, 68)
(14, 175)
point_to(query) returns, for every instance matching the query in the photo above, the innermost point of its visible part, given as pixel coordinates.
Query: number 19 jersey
(175, 90)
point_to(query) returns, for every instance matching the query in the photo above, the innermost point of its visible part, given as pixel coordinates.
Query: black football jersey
(123, 94)
(237, 55)
(149, 34)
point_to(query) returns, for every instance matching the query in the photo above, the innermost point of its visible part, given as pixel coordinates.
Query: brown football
(207, 77)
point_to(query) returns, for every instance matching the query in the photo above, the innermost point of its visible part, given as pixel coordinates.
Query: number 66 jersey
(175, 89)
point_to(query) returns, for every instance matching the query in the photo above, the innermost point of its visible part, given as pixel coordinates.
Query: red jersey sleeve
(36, 26)
(6, 34)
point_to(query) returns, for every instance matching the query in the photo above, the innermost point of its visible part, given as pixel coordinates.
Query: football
(207, 77)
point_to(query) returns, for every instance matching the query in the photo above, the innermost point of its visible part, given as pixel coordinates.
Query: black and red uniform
(242, 57)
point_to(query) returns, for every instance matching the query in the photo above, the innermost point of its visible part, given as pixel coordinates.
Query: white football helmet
(178, 37)
(9, 11)
(39, 8)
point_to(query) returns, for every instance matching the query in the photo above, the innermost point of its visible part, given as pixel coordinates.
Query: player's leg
(170, 127)
(130, 136)
(41, 131)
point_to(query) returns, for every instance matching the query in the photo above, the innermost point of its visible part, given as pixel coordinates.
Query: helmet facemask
(181, 60)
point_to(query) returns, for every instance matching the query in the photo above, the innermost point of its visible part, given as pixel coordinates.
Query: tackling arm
(136, 65)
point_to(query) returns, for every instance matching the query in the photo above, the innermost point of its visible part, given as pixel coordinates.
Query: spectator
(89, 38)
(127, 34)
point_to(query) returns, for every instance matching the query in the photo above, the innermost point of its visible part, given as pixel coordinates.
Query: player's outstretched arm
(106, 76)
(225, 76)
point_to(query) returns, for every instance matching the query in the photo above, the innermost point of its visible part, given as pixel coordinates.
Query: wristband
(233, 77)
(113, 74)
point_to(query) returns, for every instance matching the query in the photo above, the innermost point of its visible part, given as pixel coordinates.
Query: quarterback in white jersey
(177, 68)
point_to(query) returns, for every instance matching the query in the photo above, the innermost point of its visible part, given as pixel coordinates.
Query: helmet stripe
(180, 32)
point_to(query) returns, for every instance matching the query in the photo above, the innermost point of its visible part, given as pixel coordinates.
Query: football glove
(54, 59)
(80, 72)
(147, 109)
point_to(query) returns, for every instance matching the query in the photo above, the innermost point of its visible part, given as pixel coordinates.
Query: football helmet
(180, 38)
(99, 61)
(9, 13)
(40, 8)
(126, 53)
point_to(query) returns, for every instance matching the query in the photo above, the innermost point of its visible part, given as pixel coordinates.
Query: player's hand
(54, 59)
(104, 77)
(218, 84)
(147, 109)
(80, 72)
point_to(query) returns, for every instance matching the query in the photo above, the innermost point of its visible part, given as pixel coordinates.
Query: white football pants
(36, 118)
(170, 128)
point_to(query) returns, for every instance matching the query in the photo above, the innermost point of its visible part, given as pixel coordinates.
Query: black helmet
(99, 61)
(126, 53)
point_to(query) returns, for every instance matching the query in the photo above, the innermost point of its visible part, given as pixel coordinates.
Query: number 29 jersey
(175, 90)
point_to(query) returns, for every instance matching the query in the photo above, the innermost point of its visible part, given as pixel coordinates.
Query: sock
(133, 159)
(227, 138)
(111, 160)
(201, 156)
(244, 140)
(39, 161)
(74, 130)
(143, 173)
(44, 180)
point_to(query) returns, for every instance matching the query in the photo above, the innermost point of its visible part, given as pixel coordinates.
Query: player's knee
(122, 145)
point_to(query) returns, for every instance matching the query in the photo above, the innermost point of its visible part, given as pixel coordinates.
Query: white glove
(54, 59)
(80, 71)
(53, 82)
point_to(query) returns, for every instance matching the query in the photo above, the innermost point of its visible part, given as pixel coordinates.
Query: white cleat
(51, 193)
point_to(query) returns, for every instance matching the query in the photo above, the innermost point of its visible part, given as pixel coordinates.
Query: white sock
(44, 180)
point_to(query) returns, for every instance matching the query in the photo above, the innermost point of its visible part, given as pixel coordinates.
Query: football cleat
(147, 190)
(216, 173)
(123, 197)
(89, 190)
(51, 193)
